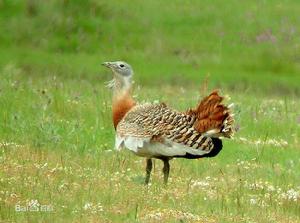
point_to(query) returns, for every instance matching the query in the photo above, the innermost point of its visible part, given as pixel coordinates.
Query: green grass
(57, 141)
(56, 134)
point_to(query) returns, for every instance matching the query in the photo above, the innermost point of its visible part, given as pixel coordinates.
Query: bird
(156, 131)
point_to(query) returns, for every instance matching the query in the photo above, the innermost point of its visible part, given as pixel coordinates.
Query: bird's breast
(121, 105)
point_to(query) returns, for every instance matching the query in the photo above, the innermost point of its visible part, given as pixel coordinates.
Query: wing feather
(144, 124)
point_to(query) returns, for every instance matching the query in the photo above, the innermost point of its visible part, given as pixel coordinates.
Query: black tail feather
(217, 148)
(215, 151)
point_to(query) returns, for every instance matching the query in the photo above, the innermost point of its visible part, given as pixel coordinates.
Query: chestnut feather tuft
(213, 117)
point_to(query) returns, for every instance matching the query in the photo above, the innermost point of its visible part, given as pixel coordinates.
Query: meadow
(57, 139)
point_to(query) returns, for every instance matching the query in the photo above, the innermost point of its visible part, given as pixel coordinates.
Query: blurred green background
(56, 133)
(240, 45)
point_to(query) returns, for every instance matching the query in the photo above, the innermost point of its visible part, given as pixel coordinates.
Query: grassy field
(56, 134)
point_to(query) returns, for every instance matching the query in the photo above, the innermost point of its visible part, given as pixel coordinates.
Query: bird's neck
(121, 85)
(122, 101)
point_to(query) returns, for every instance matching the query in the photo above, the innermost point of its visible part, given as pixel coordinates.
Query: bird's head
(122, 73)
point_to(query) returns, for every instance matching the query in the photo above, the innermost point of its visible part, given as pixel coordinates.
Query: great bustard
(153, 130)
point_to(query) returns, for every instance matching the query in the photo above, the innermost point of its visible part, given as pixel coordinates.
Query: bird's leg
(148, 170)
(166, 170)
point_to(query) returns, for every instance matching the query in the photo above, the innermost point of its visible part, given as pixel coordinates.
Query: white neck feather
(120, 85)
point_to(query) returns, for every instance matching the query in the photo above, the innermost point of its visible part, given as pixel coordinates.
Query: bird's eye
(121, 65)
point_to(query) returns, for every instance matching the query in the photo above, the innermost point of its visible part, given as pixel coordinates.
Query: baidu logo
(34, 206)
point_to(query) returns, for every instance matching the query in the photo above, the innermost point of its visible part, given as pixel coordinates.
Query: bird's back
(156, 125)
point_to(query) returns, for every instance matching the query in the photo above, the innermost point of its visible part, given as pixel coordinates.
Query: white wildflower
(87, 206)
(199, 184)
(292, 195)
(253, 201)
(270, 188)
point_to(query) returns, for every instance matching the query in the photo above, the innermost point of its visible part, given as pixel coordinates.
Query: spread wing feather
(174, 132)
(156, 123)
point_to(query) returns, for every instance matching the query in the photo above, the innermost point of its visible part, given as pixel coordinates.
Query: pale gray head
(122, 72)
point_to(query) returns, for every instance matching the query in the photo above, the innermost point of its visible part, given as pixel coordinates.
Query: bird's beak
(107, 64)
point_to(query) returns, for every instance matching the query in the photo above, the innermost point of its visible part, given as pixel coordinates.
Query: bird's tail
(213, 118)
